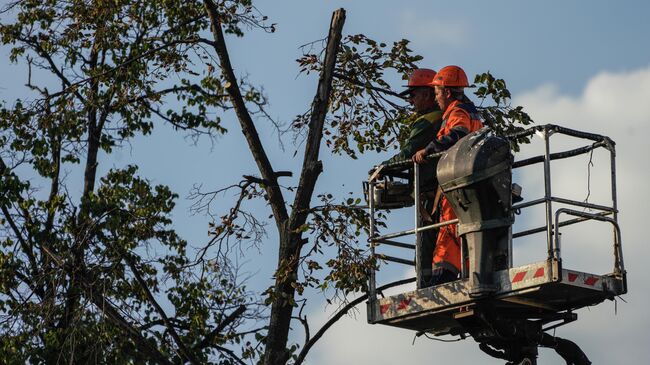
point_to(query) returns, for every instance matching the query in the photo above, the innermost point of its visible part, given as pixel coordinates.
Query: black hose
(568, 350)
(492, 352)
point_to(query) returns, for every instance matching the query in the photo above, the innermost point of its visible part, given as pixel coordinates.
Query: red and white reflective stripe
(402, 305)
(384, 308)
(528, 274)
(572, 277)
(589, 280)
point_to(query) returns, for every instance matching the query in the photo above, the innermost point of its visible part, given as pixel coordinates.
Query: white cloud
(613, 104)
(427, 31)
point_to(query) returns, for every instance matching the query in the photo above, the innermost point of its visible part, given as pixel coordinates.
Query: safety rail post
(619, 267)
(418, 243)
(372, 295)
(547, 196)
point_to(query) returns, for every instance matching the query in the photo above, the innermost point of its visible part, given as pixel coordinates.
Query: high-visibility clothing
(460, 115)
(460, 119)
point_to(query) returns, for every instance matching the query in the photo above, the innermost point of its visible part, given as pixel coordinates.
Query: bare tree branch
(173, 89)
(73, 86)
(276, 198)
(189, 355)
(368, 86)
(207, 341)
(310, 343)
(162, 116)
(113, 314)
(303, 320)
(55, 69)
(231, 354)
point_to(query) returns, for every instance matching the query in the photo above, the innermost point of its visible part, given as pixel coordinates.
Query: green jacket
(423, 130)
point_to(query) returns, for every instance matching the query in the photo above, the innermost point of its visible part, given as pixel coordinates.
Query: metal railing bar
(404, 164)
(579, 134)
(547, 192)
(565, 201)
(396, 244)
(418, 237)
(618, 259)
(529, 232)
(412, 231)
(396, 259)
(562, 130)
(528, 132)
(562, 224)
(559, 155)
(528, 204)
(583, 204)
(372, 280)
(437, 225)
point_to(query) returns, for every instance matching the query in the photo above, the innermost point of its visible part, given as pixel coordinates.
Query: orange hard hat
(451, 76)
(419, 78)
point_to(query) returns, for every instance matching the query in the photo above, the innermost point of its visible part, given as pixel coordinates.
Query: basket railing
(604, 213)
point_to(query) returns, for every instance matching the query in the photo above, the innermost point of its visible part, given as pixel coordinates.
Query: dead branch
(228, 227)
(290, 234)
(311, 167)
(230, 354)
(276, 198)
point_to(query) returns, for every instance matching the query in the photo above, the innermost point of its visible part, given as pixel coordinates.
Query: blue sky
(585, 64)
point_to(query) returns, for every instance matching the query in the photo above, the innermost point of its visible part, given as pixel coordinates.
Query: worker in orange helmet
(420, 93)
(460, 117)
(423, 125)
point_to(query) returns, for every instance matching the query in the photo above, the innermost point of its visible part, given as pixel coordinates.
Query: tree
(78, 280)
(78, 283)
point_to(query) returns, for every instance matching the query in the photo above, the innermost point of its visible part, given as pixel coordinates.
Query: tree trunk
(290, 239)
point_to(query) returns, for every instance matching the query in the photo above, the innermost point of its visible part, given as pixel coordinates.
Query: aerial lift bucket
(507, 309)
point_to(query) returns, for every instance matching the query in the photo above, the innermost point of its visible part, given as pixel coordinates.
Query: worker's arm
(459, 124)
(444, 142)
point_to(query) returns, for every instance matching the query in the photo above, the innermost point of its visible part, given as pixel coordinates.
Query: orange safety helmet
(421, 77)
(451, 76)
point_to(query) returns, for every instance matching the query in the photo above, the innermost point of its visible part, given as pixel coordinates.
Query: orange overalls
(458, 120)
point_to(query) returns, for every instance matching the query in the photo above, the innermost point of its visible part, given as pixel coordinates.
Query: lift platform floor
(530, 291)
